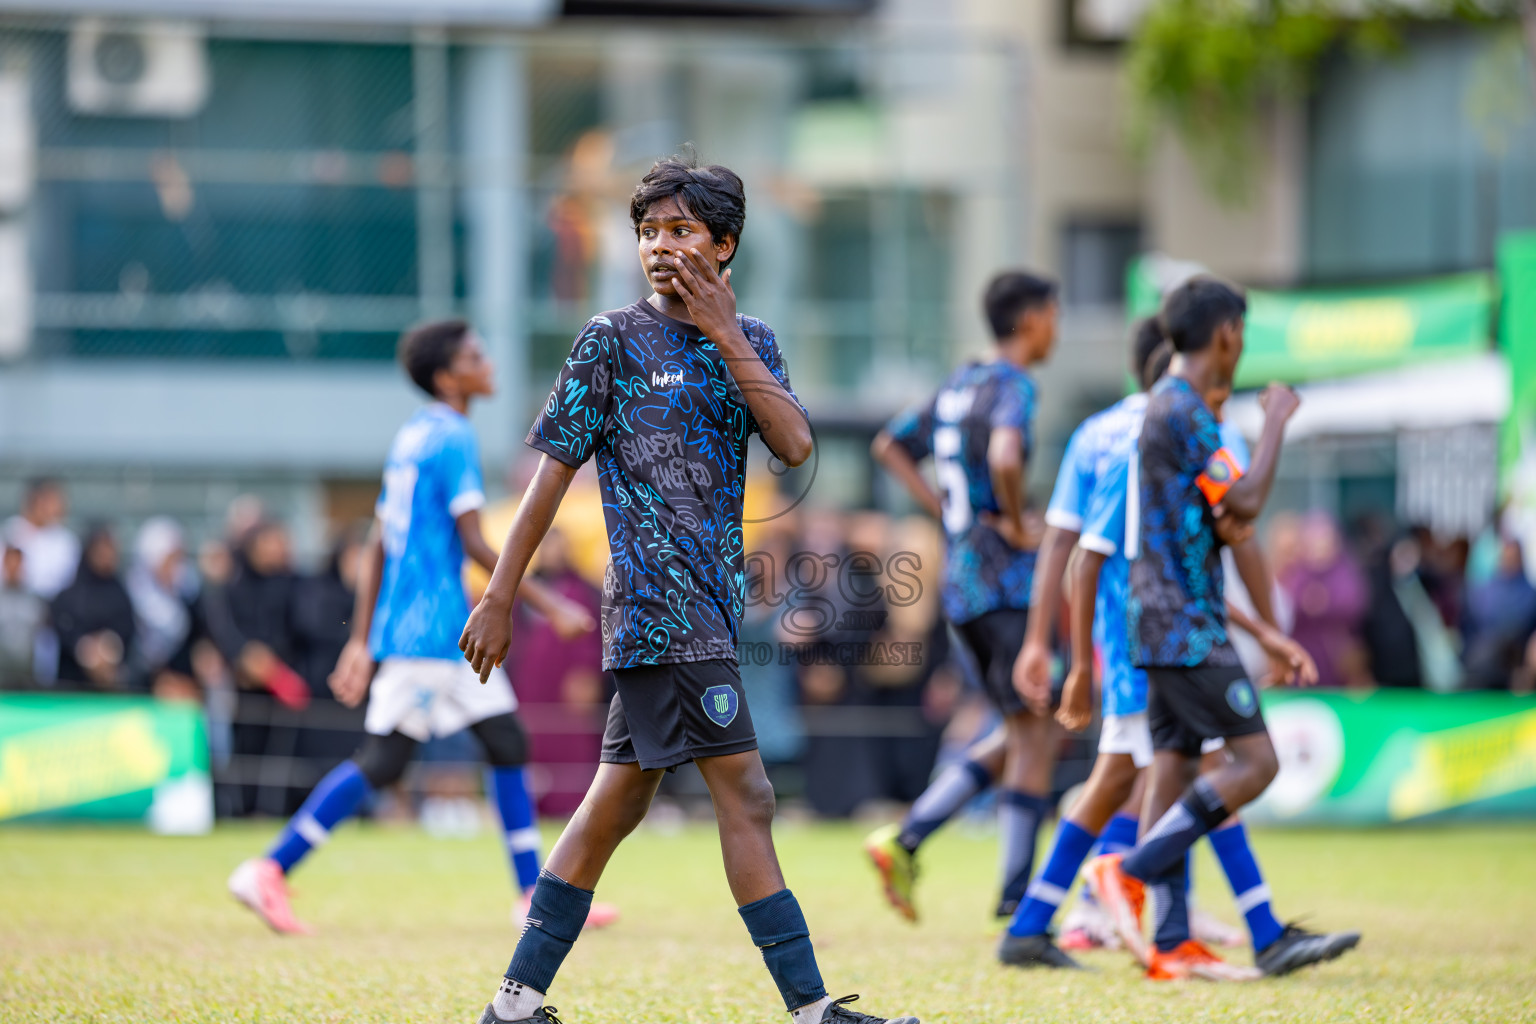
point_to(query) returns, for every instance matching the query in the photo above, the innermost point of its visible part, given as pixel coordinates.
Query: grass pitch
(115, 925)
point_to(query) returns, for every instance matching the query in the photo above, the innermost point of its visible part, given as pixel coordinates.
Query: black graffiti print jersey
(650, 398)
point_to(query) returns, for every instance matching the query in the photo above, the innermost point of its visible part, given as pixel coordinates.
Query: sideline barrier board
(1385, 756)
(105, 758)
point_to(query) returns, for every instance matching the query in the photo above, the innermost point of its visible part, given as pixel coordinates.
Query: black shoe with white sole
(544, 1015)
(1033, 951)
(838, 1013)
(1296, 948)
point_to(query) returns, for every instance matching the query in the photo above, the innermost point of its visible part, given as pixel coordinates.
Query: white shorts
(1131, 734)
(427, 697)
(1127, 734)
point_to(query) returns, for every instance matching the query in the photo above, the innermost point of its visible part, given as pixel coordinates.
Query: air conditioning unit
(137, 69)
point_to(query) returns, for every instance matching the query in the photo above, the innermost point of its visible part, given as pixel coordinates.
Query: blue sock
(555, 919)
(1119, 836)
(778, 928)
(1019, 817)
(335, 799)
(519, 823)
(945, 795)
(1166, 843)
(1169, 899)
(1248, 888)
(1050, 887)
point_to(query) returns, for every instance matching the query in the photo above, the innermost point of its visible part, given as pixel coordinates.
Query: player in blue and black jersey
(664, 394)
(1089, 508)
(410, 608)
(979, 430)
(1188, 496)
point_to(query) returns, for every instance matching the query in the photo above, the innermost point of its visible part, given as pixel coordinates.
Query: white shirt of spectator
(51, 554)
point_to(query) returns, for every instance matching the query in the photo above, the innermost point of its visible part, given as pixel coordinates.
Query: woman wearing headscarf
(166, 627)
(94, 619)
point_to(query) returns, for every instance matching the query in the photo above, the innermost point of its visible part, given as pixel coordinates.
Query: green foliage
(1207, 68)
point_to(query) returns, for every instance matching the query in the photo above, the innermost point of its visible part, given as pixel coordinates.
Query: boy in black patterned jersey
(1191, 498)
(664, 395)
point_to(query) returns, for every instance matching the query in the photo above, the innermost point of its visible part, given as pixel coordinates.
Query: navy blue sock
(1166, 843)
(555, 918)
(1169, 899)
(335, 799)
(1248, 888)
(1019, 816)
(514, 805)
(1050, 887)
(778, 928)
(945, 795)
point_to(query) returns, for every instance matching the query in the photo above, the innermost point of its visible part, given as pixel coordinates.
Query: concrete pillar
(495, 207)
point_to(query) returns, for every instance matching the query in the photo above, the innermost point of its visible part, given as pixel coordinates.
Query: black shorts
(666, 715)
(1187, 706)
(995, 640)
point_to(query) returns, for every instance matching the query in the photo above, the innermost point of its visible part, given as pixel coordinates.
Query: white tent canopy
(1423, 397)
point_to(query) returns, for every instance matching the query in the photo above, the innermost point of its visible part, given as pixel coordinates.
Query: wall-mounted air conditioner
(137, 69)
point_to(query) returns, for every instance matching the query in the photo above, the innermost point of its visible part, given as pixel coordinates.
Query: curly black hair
(712, 194)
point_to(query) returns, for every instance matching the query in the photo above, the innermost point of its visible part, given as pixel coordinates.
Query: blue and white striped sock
(519, 823)
(335, 799)
(1248, 887)
(1049, 888)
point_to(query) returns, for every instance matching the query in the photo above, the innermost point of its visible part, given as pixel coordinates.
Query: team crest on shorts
(1241, 699)
(721, 704)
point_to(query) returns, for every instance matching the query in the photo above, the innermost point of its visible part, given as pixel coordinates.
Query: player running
(665, 394)
(409, 611)
(979, 429)
(1088, 508)
(1185, 497)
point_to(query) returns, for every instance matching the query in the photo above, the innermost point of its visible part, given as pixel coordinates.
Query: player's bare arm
(1077, 693)
(354, 668)
(1248, 494)
(1032, 670)
(904, 468)
(1007, 466)
(1253, 570)
(488, 633)
(1289, 662)
(712, 304)
(568, 619)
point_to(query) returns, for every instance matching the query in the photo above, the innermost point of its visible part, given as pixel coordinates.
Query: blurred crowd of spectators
(1384, 606)
(854, 684)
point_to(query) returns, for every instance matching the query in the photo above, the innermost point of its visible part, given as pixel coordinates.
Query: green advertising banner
(105, 758)
(1299, 336)
(1388, 756)
(1517, 339)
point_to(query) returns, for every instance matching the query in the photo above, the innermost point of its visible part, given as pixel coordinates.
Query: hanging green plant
(1206, 68)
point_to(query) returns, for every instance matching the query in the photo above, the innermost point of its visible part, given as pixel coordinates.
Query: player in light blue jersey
(409, 612)
(1089, 509)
